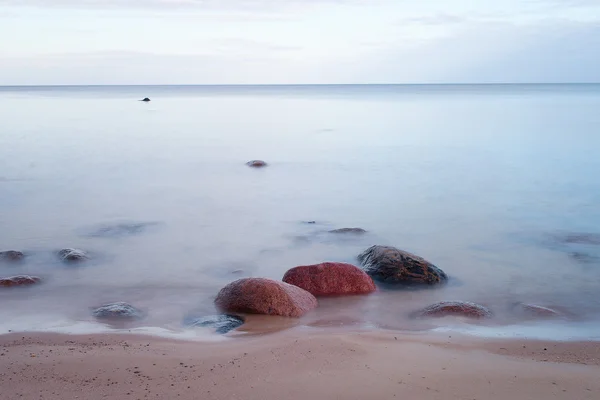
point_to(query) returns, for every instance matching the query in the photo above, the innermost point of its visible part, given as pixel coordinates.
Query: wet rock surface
(256, 163)
(72, 255)
(455, 308)
(221, 323)
(119, 310)
(11, 255)
(393, 266)
(19, 280)
(265, 296)
(330, 279)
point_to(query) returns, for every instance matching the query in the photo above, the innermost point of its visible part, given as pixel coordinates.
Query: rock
(532, 310)
(330, 279)
(265, 296)
(582, 238)
(256, 164)
(459, 308)
(122, 229)
(72, 255)
(145, 99)
(356, 231)
(390, 265)
(222, 323)
(11, 255)
(118, 310)
(19, 280)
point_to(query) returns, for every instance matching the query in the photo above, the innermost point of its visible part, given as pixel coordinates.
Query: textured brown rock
(460, 308)
(390, 265)
(11, 255)
(265, 296)
(256, 163)
(19, 280)
(330, 279)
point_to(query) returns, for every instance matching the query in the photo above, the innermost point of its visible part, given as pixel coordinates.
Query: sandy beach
(296, 364)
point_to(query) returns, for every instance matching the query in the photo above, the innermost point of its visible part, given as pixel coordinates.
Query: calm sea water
(484, 181)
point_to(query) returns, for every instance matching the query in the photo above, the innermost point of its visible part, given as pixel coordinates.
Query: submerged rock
(121, 229)
(330, 279)
(118, 310)
(72, 255)
(19, 280)
(256, 163)
(11, 255)
(532, 310)
(356, 231)
(265, 296)
(390, 265)
(221, 323)
(458, 308)
(581, 238)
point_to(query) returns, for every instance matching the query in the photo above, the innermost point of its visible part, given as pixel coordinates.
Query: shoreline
(301, 363)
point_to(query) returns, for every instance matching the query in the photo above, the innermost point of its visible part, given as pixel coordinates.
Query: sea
(498, 185)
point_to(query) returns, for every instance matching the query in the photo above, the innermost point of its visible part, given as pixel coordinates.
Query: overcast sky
(298, 41)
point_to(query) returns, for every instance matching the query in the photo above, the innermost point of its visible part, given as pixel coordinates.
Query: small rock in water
(19, 280)
(532, 310)
(118, 310)
(11, 255)
(222, 323)
(582, 238)
(146, 99)
(458, 308)
(122, 229)
(356, 231)
(392, 266)
(72, 255)
(256, 164)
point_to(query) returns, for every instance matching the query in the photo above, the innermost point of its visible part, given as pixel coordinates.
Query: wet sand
(296, 364)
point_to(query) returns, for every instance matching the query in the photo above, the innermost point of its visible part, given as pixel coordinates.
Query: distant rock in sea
(355, 231)
(19, 280)
(146, 99)
(72, 255)
(11, 255)
(256, 163)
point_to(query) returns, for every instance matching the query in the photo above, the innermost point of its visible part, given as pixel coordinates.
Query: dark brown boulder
(355, 231)
(72, 255)
(265, 296)
(330, 279)
(256, 164)
(19, 280)
(458, 308)
(390, 265)
(11, 255)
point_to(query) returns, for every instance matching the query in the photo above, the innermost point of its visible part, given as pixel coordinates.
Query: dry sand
(300, 364)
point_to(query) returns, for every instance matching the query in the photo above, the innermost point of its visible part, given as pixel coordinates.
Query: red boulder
(265, 296)
(19, 280)
(458, 308)
(330, 279)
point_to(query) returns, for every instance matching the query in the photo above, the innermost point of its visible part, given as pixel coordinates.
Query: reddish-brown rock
(330, 279)
(458, 308)
(19, 280)
(256, 164)
(265, 296)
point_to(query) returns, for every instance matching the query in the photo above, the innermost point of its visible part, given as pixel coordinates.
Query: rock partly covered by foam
(536, 311)
(120, 310)
(256, 163)
(457, 308)
(19, 280)
(265, 296)
(390, 265)
(72, 255)
(221, 323)
(11, 255)
(330, 279)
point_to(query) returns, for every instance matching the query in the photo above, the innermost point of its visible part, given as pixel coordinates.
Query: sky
(56, 42)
